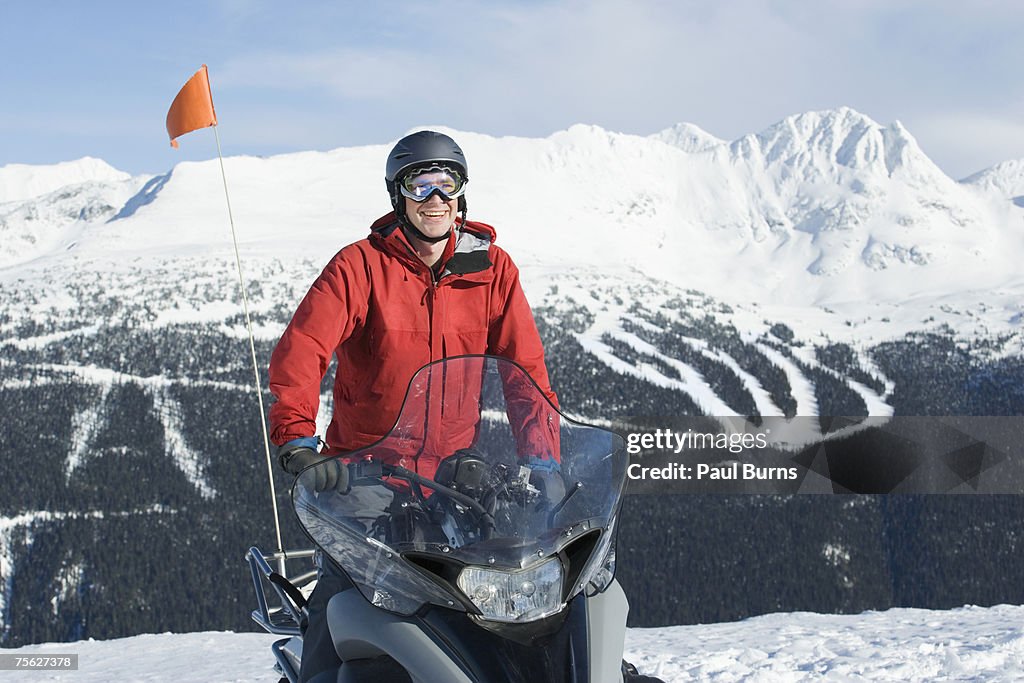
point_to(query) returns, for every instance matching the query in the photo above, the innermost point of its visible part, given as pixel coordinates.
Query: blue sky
(95, 78)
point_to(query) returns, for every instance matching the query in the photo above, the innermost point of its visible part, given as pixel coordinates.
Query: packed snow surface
(966, 644)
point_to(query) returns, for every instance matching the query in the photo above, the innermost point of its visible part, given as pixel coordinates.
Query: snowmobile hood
(409, 536)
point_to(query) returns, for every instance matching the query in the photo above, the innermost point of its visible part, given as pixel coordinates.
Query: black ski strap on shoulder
(288, 587)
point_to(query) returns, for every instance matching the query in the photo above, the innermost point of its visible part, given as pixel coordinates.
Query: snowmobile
(465, 565)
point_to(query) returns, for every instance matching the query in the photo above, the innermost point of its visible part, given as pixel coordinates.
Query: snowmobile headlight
(515, 596)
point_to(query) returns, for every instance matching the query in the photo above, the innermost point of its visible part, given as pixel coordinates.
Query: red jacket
(377, 307)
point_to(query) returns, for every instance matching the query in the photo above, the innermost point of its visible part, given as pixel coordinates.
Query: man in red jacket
(425, 285)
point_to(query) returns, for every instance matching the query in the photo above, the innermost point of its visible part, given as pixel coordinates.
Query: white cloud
(345, 73)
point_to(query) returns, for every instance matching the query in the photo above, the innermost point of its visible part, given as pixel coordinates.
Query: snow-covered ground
(966, 644)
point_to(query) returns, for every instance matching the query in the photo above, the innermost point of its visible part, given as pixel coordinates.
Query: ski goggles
(422, 183)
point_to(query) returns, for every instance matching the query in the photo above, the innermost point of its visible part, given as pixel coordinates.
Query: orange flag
(192, 109)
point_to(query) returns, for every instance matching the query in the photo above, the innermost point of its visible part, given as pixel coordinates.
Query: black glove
(546, 477)
(549, 483)
(331, 475)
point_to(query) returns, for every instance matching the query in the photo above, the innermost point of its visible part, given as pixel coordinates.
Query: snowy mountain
(44, 209)
(1005, 179)
(822, 267)
(824, 208)
(689, 138)
(45, 224)
(24, 181)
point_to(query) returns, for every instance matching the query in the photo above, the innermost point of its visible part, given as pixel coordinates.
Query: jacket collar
(463, 256)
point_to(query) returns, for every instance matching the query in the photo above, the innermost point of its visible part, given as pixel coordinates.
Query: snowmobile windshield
(482, 498)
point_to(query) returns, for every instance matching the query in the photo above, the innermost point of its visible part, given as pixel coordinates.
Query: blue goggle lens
(419, 185)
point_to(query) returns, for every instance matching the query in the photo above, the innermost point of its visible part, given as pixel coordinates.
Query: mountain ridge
(820, 207)
(19, 182)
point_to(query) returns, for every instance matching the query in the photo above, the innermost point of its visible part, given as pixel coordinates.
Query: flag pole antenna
(255, 363)
(191, 110)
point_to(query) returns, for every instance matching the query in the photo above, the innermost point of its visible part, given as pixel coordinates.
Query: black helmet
(415, 150)
(421, 148)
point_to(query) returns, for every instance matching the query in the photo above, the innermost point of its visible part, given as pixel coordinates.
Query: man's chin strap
(410, 228)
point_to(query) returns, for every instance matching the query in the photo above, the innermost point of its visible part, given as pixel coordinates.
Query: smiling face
(433, 217)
